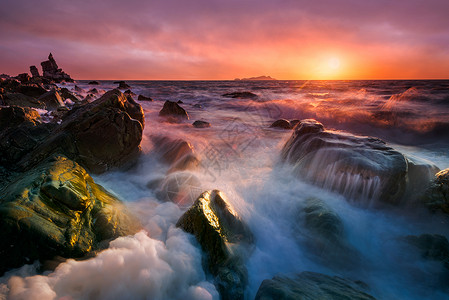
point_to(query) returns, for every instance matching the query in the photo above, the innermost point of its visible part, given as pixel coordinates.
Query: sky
(220, 40)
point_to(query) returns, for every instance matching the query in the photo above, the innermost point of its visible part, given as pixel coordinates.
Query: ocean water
(240, 155)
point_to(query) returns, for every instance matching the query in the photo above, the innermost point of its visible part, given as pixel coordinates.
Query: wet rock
(201, 124)
(13, 116)
(93, 82)
(31, 90)
(52, 100)
(281, 123)
(93, 91)
(143, 98)
(78, 89)
(182, 188)
(437, 195)
(34, 71)
(294, 122)
(240, 95)
(66, 94)
(57, 210)
(420, 174)
(224, 238)
(361, 168)
(23, 77)
(178, 153)
(22, 100)
(325, 235)
(51, 71)
(122, 85)
(431, 246)
(180, 102)
(172, 109)
(129, 92)
(310, 285)
(100, 135)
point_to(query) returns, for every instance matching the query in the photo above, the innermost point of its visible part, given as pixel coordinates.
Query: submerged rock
(437, 195)
(57, 209)
(178, 153)
(172, 109)
(94, 82)
(201, 124)
(224, 237)
(311, 286)
(182, 188)
(361, 168)
(240, 95)
(143, 98)
(99, 135)
(431, 246)
(282, 123)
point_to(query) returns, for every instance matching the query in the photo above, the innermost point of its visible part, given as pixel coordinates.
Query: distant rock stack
(34, 71)
(51, 71)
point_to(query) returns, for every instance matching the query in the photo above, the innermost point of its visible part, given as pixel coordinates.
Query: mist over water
(240, 155)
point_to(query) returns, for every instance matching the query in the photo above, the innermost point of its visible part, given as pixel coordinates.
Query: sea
(241, 156)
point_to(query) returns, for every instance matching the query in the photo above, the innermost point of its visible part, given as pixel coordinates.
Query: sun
(334, 63)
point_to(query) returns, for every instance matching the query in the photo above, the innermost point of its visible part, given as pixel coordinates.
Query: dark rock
(241, 95)
(431, 246)
(78, 89)
(178, 153)
(34, 71)
(310, 286)
(420, 174)
(94, 82)
(437, 195)
(201, 124)
(143, 98)
(100, 135)
(57, 209)
(223, 237)
(31, 90)
(93, 91)
(51, 71)
(22, 100)
(66, 94)
(182, 188)
(361, 168)
(180, 102)
(281, 123)
(122, 85)
(52, 100)
(172, 109)
(23, 77)
(294, 122)
(14, 116)
(198, 106)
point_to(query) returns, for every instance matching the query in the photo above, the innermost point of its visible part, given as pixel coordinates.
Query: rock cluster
(51, 71)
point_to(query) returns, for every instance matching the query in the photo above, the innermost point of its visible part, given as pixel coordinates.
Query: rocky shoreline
(51, 207)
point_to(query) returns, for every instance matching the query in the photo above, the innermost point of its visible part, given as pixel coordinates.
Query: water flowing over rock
(57, 209)
(51, 71)
(311, 286)
(178, 153)
(361, 168)
(174, 110)
(99, 135)
(223, 237)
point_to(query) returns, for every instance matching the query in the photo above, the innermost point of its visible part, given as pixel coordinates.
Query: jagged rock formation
(50, 70)
(34, 71)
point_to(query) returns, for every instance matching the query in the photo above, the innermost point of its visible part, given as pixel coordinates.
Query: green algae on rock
(57, 209)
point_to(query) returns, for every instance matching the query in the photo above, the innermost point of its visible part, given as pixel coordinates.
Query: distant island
(256, 78)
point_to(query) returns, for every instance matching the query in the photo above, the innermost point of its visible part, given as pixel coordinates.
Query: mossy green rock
(57, 209)
(311, 286)
(224, 238)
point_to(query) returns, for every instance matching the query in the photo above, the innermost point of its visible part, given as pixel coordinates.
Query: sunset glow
(224, 40)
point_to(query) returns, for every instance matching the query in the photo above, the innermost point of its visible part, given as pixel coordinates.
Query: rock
(52, 100)
(93, 91)
(34, 71)
(172, 109)
(361, 168)
(13, 116)
(23, 77)
(31, 90)
(178, 153)
(431, 246)
(143, 98)
(420, 174)
(281, 123)
(201, 124)
(78, 89)
(240, 95)
(436, 196)
(325, 235)
(310, 286)
(99, 135)
(122, 85)
(182, 188)
(180, 102)
(22, 100)
(94, 82)
(129, 92)
(51, 71)
(57, 210)
(294, 122)
(66, 94)
(224, 238)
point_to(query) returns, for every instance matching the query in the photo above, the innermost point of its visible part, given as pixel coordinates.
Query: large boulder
(173, 110)
(19, 99)
(52, 100)
(13, 116)
(281, 123)
(57, 209)
(311, 286)
(225, 239)
(361, 168)
(437, 195)
(100, 135)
